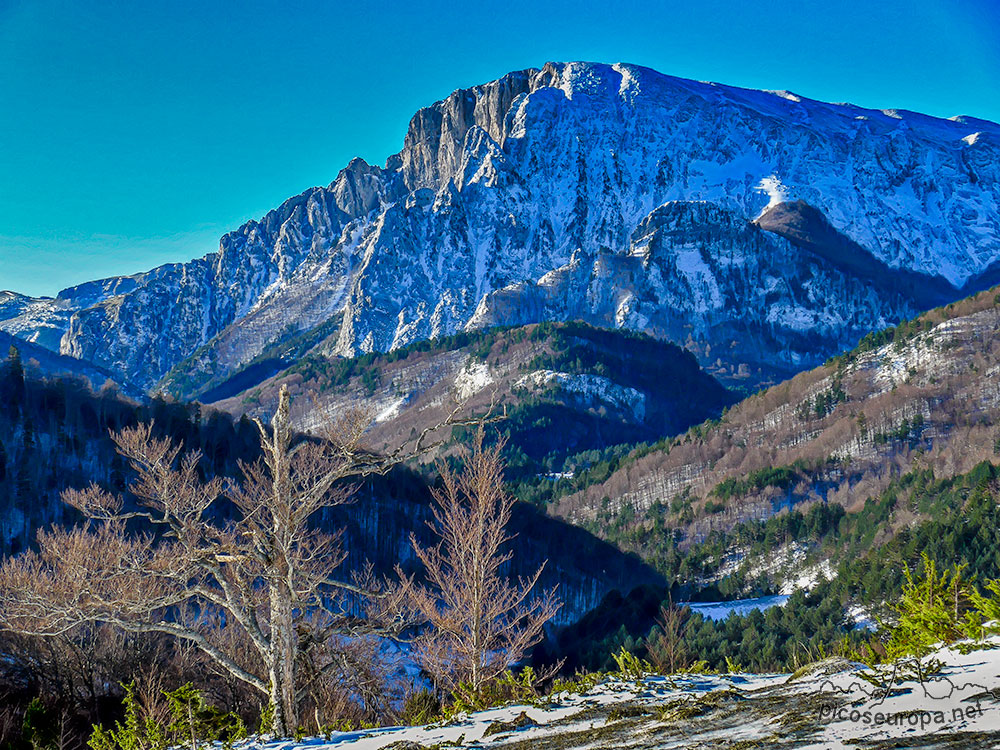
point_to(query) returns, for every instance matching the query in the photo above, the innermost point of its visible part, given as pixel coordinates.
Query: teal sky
(136, 133)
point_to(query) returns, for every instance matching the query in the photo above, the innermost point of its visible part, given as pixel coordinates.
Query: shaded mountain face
(752, 306)
(610, 193)
(42, 362)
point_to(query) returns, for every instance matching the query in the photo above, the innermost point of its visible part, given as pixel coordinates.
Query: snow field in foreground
(826, 706)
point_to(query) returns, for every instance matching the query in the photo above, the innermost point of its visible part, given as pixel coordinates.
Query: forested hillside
(565, 389)
(841, 573)
(922, 396)
(55, 434)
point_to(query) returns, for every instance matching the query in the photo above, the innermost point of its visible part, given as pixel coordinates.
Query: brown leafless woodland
(480, 622)
(72, 675)
(249, 592)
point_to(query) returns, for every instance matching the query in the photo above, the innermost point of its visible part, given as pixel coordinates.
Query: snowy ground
(722, 610)
(828, 706)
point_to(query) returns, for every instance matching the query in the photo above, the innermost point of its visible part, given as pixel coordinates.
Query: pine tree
(936, 609)
(12, 392)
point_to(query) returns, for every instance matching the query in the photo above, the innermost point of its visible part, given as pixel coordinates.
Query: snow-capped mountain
(610, 193)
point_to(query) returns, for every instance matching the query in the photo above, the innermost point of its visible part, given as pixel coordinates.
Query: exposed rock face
(608, 192)
(699, 274)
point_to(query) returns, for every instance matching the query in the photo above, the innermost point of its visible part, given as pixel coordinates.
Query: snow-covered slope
(608, 192)
(829, 705)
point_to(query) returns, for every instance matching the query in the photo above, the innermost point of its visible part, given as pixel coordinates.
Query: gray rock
(607, 192)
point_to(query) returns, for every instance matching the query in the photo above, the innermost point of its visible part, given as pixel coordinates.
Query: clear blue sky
(136, 133)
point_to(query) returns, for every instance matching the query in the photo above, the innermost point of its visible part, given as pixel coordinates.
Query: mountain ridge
(601, 387)
(500, 184)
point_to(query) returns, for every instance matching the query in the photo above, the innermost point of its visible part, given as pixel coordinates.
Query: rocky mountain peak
(533, 196)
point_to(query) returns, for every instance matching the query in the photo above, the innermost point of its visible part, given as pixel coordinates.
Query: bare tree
(246, 592)
(479, 621)
(666, 646)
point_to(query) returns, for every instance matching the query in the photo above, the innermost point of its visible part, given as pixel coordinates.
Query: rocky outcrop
(748, 303)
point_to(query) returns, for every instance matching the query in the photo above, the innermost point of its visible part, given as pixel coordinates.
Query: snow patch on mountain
(597, 389)
(776, 192)
(473, 378)
(809, 577)
(391, 410)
